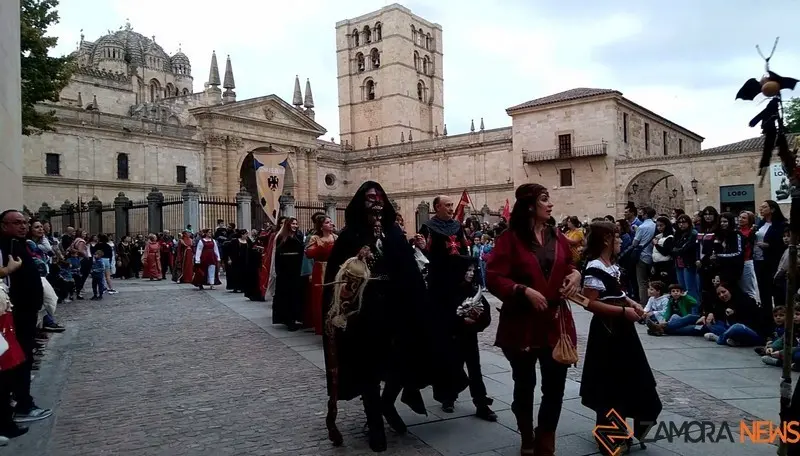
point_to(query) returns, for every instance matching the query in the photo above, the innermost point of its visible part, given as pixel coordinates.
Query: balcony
(591, 150)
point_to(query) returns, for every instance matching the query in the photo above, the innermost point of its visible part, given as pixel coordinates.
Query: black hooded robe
(386, 339)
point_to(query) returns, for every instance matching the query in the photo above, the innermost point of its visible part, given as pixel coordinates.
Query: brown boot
(545, 443)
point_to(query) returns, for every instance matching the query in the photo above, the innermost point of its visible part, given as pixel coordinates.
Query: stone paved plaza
(164, 369)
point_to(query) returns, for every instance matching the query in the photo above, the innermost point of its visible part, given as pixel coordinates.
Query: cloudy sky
(683, 59)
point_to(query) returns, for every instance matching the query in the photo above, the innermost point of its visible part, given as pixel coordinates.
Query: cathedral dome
(135, 48)
(180, 64)
(180, 58)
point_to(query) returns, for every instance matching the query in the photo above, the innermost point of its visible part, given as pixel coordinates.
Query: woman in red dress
(151, 260)
(531, 271)
(319, 249)
(184, 260)
(206, 259)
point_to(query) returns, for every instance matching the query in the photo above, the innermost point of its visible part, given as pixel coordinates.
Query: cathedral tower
(389, 65)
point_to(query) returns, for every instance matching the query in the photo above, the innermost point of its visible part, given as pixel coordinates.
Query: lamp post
(674, 192)
(694, 186)
(635, 187)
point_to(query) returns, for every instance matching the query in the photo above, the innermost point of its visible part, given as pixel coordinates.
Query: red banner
(507, 212)
(463, 203)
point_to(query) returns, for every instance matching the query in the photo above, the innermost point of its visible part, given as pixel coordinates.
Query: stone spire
(472, 125)
(297, 98)
(309, 99)
(213, 74)
(436, 131)
(481, 123)
(229, 96)
(80, 100)
(444, 131)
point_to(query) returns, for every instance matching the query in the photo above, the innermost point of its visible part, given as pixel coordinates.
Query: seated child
(657, 304)
(680, 305)
(773, 351)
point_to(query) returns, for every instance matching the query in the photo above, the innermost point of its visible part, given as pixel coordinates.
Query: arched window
(378, 32)
(355, 38)
(428, 41)
(420, 37)
(425, 64)
(186, 91)
(367, 34)
(155, 90)
(413, 34)
(416, 60)
(360, 62)
(170, 89)
(375, 58)
(421, 91)
(369, 90)
(122, 166)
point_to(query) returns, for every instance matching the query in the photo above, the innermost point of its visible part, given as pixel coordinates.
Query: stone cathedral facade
(130, 121)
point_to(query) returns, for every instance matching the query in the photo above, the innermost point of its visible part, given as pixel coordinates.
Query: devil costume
(373, 317)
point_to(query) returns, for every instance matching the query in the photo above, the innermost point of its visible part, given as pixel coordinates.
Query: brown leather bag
(564, 352)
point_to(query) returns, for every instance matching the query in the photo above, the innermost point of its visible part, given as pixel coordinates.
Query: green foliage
(792, 115)
(43, 76)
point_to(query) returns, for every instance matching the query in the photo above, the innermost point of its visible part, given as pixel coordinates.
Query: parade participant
(206, 259)
(530, 270)
(238, 257)
(184, 259)
(444, 242)
(258, 268)
(616, 374)
(151, 260)
(319, 249)
(375, 332)
(287, 305)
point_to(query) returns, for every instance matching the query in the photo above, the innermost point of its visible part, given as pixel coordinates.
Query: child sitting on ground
(773, 351)
(680, 305)
(657, 304)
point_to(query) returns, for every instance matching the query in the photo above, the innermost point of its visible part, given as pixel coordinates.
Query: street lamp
(674, 192)
(694, 186)
(635, 187)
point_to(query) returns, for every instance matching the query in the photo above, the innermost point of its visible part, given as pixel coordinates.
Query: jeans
(687, 278)
(643, 280)
(748, 282)
(554, 378)
(98, 285)
(741, 334)
(683, 326)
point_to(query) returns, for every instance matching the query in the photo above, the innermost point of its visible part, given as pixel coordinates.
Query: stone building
(129, 121)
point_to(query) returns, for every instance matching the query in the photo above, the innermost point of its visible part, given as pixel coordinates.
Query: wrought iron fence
(213, 208)
(172, 215)
(137, 218)
(304, 210)
(339, 218)
(108, 221)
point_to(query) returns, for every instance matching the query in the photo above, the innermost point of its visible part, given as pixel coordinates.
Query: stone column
(155, 218)
(10, 110)
(95, 215)
(287, 205)
(330, 208)
(67, 215)
(244, 211)
(423, 213)
(121, 203)
(44, 213)
(313, 185)
(191, 206)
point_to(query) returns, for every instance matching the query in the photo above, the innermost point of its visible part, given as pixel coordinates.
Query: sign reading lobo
(779, 184)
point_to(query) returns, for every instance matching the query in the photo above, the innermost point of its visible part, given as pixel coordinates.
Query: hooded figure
(373, 317)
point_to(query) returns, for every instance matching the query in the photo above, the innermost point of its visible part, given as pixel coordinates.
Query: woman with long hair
(575, 238)
(531, 271)
(287, 305)
(684, 253)
(319, 249)
(748, 282)
(706, 267)
(616, 374)
(767, 254)
(184, 259)
(151, 260)
(237, 258)
(728, 249)
(663, 242)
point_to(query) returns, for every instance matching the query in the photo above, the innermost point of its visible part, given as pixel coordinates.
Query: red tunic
(511, 267)
(266, 265)
(186, 257)
(208, 257)
(319, 251)
(152, 261)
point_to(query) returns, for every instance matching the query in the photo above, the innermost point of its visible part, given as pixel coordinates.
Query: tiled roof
(572, 94)
(756, 143)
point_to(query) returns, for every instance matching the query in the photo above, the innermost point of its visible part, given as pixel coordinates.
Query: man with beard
(374, 333)
(27, 296)
(445, 243)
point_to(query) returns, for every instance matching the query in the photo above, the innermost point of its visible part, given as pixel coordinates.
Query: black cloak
(386, 339)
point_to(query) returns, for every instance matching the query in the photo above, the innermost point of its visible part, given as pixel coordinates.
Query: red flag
(507, 211)
(462, 205)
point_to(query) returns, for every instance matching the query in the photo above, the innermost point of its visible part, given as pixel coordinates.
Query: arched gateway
(657, 188)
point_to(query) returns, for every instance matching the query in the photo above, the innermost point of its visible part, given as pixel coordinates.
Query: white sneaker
(4, 440)
(711, 336)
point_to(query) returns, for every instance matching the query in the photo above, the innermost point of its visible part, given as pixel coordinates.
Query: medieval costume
(137, 256)
(238, 254)
(616, 374)
(183, 268)
(287, 305)
(151, 260)
(206, 259)
(374, 317)
(124, 256)
(319, 250)
(166, 254)
(257, 271)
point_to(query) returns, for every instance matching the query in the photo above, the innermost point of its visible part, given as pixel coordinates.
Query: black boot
(376, 433)
(388, 399)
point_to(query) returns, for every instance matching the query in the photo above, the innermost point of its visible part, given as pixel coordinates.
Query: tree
(792, 115)
(43, 76)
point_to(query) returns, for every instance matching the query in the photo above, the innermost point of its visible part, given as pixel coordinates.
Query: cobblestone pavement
(176, 373)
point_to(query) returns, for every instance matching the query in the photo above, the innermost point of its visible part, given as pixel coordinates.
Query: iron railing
(591, 150)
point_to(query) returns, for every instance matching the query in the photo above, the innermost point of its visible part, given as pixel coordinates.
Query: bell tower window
(360, 62)
(375, 57)
(421, 91)
(425, 64)
(367, 34)
(378, 32)
(355, 38)
(369, 90)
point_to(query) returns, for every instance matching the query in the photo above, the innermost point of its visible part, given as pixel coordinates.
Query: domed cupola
(180, 64)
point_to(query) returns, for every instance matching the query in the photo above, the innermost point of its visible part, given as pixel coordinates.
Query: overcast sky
(683, 59)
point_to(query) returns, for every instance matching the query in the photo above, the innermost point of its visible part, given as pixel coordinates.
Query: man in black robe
(445, 243)
(384, 339)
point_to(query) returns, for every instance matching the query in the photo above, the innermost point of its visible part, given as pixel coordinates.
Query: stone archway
(247, 177)
(657, 188)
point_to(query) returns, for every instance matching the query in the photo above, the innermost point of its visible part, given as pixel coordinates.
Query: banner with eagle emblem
(270, 174)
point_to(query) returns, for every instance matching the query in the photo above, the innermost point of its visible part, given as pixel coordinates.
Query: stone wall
(10, 121)
(679, 140)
